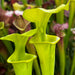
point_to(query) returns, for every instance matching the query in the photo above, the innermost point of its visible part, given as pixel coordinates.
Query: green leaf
(1, 25)
(39, 2)
(24, 1)
(2, 59)
(17, 6)
(2, 4)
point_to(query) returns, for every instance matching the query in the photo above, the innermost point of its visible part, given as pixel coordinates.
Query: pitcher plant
(44, 44)
(21, 61)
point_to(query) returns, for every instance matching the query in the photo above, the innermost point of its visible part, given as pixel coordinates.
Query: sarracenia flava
(45, 44)
(21, 61)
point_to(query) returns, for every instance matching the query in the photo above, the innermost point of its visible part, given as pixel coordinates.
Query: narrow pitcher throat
(41, 27)
(41, 33)
(42, 24)
(20, 48)
(39, 37)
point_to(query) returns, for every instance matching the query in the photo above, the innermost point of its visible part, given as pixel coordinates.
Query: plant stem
(73, 61)
(71, 17)
(2, 4)
(46, 0)
(61, 56)
(60, 15)
(24, 2)
(60, 20)
(39, 3)
(61, 50)
(73, 65)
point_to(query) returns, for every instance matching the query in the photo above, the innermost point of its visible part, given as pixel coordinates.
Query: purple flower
(58, 29)
(17, 12)
(29, 7)
(64, 26)
(9, 13)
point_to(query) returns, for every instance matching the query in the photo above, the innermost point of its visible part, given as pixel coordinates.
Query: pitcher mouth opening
(51, 39)
(28, 58)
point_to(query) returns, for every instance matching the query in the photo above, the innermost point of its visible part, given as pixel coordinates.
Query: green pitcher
(21, 61)
(44, 44)
(46, 53)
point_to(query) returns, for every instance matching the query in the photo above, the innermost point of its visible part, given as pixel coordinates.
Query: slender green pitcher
(46, 53)
(44, 44)
(21, 61)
